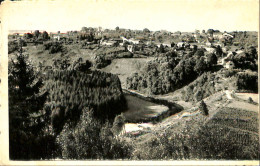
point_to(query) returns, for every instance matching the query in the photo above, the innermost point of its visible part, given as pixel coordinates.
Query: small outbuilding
(229, 65)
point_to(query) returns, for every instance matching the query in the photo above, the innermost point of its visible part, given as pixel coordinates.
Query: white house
(166, 44)
(230, 65)
(217, 35)
(130, 48)
(240, 51)
(230, 54)
(124, 39)
(211, 50)
(209, 44)
(108, 43)
(228, 36)
(193, 46)
(133, 41)
(224, 61)
(180, 44)
(57, 37)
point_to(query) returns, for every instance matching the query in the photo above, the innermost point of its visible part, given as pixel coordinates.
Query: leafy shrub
(89, 139)
(230, 72)
(15, 45)
(118, 124)
(246, 61)
(79, 66)
(12, 46)
(54, 47)
(247, 82)
(202, 87)
(164, 146)
(250, 100)
(101, 62)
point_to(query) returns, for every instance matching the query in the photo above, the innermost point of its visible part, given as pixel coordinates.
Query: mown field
(125, 67)
(140, 110)
(229, 134)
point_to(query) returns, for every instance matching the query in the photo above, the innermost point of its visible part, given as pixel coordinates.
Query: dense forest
(69, 91)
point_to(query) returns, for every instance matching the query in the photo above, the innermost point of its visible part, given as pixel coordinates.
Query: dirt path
(243, 105)
(229, 94)
(245, 96)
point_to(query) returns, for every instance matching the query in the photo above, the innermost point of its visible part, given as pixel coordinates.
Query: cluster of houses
(189, 41)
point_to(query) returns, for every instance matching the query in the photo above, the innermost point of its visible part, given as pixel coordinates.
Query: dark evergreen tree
(200, 66)
(118, 124)
(161, 49)
(212, 59)
(172, 44)
(37, 33)
(219, 51)
(199, 53)
(203, 108)
(25, 109)
(45, 35)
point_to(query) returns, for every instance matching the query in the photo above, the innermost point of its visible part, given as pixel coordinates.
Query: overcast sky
(174, 15)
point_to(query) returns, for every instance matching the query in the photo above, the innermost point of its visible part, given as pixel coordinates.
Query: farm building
(133, 41)
(229, 65)
(180, 44)
(217, 35)
(108, 43)
(211, 50)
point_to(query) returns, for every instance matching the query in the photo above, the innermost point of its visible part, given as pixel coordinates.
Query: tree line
(168, 72)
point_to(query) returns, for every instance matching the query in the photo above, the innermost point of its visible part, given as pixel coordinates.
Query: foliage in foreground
(89, 139)
(236, 139)
(26, 119)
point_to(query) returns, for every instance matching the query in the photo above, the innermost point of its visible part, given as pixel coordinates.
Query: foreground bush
(164, 146)
(247, 82)
(89, 139)
(54, 47)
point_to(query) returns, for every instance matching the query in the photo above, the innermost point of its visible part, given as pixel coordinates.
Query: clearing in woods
(124, 67)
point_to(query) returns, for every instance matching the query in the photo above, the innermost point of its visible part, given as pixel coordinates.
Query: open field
(141, 110)
(38, 54)
(245, 96)
(125, 67)
(244, 106)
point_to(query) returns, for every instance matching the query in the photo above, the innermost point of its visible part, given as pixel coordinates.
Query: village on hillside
(133, 95)
(145, 43)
